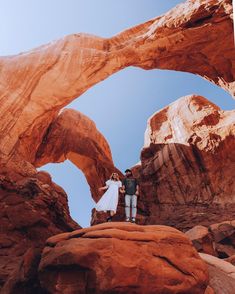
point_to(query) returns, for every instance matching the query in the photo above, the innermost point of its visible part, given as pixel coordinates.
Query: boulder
(202, 239)
(222, 274)
(122, 258)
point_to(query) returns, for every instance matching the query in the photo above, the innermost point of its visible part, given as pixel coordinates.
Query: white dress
(109, 200)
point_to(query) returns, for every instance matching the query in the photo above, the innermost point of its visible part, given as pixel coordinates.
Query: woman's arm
(103, 188)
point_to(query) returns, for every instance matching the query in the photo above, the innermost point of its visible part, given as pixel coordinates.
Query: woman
(109, 200)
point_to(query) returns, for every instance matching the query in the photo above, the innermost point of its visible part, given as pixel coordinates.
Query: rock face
(217, 239)
(74, 136)
(202, 239)
(35, 85)
(122, 258)
(221, 273)
(32, 210)
(39, 83)
(187, 165)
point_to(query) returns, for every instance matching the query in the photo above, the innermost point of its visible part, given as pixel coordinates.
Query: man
(131, 189)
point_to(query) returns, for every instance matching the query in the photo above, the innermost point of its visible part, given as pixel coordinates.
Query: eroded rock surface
(31, 210)
(187, 164)
(74, 136)
(122, 258)
(35, 85)
(221, 273)
(218, 239)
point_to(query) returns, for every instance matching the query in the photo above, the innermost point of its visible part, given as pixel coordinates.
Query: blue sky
(120, 105)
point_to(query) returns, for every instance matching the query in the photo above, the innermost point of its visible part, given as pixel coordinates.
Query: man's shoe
(133, 220)
(127, 219)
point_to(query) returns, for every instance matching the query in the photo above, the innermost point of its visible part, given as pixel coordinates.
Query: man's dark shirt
(130, 185)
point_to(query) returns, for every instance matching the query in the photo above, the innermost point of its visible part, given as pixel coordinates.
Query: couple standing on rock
(109, 201)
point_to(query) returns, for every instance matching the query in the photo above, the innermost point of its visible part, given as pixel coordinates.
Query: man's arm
(137, 190)
(122, 189)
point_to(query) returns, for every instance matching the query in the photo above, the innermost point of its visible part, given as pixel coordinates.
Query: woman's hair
(112, 177)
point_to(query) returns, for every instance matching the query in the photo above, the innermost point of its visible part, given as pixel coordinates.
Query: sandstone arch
(35, 85)
(73, 136)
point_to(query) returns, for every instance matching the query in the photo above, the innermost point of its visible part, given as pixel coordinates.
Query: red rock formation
(221, 274)
(31, 210)
(187, 164)
(202, 240)
(218, 239)
(40, 82)
(122, 258)
(34, 208)
(231, 259)
(209, 290)
(36, 85)
(73, 136)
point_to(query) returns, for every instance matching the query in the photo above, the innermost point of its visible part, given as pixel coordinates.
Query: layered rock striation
(221, 274)
(186, 165)
(122, 258)
(217, 239)
(31, 210)
(73, 136)
(35, 85)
